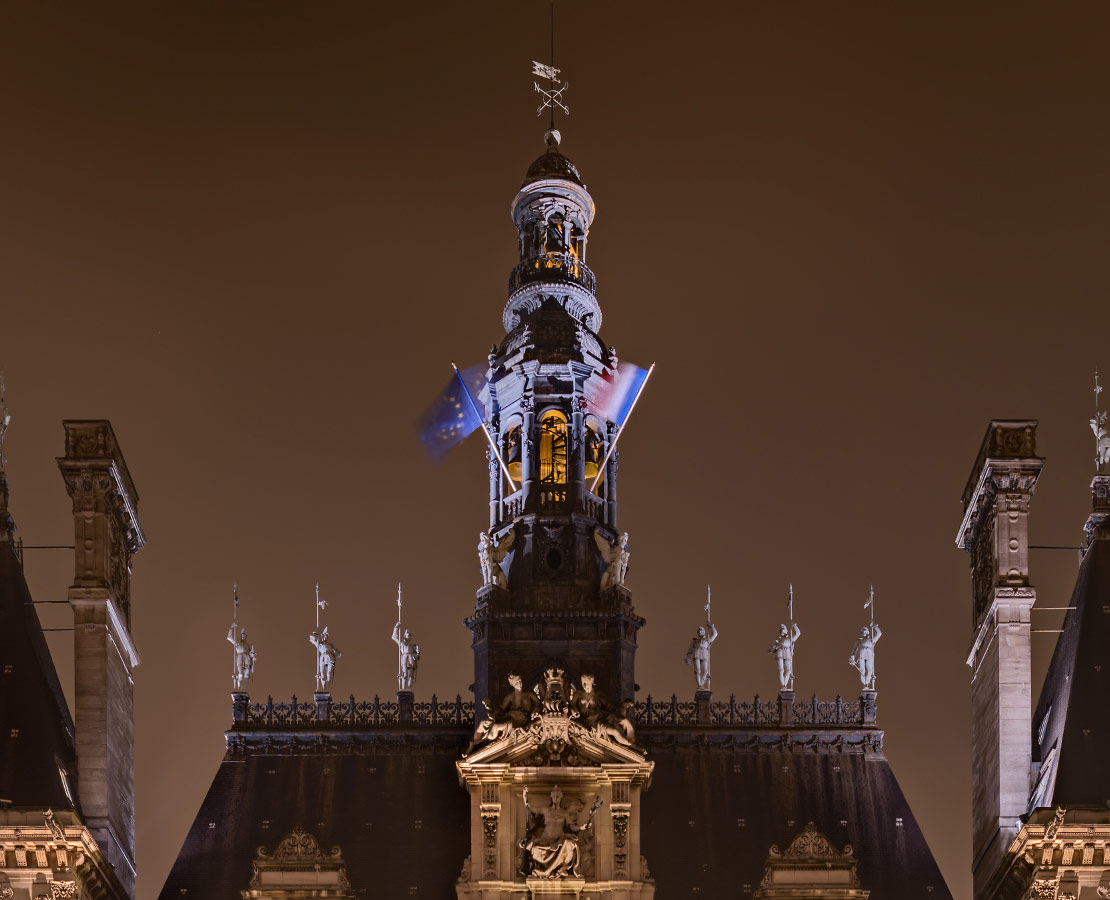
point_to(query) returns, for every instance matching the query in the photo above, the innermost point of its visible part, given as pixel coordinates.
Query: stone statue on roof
(783, 648)
(698, 654)
(863, 655)
(408, 655)
(244, 657)
(599, 717)
(615, 556)
(5, 421)
(490, 555)
(516, 710)
(326, 656)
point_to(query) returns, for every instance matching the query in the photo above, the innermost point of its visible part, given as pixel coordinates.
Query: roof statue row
(862, 657)
(327, 654)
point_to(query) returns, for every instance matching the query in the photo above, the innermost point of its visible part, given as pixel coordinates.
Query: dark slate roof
(392, 804)
(31, 700)
(713, 812)
(552, 165)
(1075, 694)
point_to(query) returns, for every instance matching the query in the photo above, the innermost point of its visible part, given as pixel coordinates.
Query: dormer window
(513, 454)
(595, 453)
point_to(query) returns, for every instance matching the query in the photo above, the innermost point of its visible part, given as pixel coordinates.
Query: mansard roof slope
(391, 803)
(718, 802)
(36, 731)
(1071, 734)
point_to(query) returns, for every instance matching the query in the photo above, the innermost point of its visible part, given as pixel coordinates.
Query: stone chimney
(106, 535)
(995, 533)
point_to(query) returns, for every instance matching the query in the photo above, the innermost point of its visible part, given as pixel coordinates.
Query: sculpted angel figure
(615, 556)
(1102, 439)
(326, 655)
(408, 655)
(863, 655)
(550, 841)
(783, 648)
(244, 657)
(598, 717)
(698, 654)
(490, 555)
(515, 711)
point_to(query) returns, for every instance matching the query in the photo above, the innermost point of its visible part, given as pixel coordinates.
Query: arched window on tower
(553, 448)
(513, 453)
(556, 234)
(595, 453)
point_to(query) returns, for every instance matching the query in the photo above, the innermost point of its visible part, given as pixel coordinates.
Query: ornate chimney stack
(107, 534)
(995, 532)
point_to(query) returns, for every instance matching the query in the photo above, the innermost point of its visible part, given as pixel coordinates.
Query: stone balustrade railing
(552, 267)
(323, 712)
(781, 712)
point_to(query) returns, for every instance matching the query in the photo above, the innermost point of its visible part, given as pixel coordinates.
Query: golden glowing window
(513, 453)
(553, 448)
(595, 453)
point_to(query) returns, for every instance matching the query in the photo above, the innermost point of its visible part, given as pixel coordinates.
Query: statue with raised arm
(515, 711)
(490, 555)
(550, 841)
(783, 648)
(326, 655)
(698, 654)
(863, 655)
(5, 421)
(244, 657)
(615, 556)
(1102, 439)
(408, 655)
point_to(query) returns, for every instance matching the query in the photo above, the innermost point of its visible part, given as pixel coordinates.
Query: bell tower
(554, 562)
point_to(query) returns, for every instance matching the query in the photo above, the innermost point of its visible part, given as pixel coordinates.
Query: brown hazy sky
(253, 235)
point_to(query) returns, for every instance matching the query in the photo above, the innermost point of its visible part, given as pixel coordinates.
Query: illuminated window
(595, 453)
(513, 453)
(553, 448)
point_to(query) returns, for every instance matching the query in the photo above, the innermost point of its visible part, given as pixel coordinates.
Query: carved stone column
(995, 533)
(107, 534)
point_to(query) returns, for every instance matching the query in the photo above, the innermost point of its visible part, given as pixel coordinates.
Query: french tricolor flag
(614, 401)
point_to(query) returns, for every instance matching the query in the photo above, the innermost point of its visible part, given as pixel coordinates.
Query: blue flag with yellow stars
(452, 416)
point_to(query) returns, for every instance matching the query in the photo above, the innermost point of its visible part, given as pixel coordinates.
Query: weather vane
(552, 96)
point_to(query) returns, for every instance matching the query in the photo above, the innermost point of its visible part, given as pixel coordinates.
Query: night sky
(254, 234)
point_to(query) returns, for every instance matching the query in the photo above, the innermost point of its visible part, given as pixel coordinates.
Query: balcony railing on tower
(552, 267)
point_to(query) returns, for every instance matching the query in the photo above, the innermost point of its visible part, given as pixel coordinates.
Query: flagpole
(485, 431)
(317, 605)
(790, 605)
(399, 632)
(620, 430)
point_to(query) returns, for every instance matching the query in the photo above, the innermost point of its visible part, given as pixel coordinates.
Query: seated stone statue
(597, 716)
(515, 711)
(550, 843)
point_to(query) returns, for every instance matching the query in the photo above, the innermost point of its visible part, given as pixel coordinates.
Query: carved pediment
(555, 739)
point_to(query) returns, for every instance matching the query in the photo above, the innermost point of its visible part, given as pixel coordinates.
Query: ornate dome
(552, 164)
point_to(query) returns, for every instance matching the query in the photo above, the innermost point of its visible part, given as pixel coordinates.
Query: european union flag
(453, 416)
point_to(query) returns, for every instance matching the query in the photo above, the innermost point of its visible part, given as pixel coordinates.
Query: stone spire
(553, 562)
